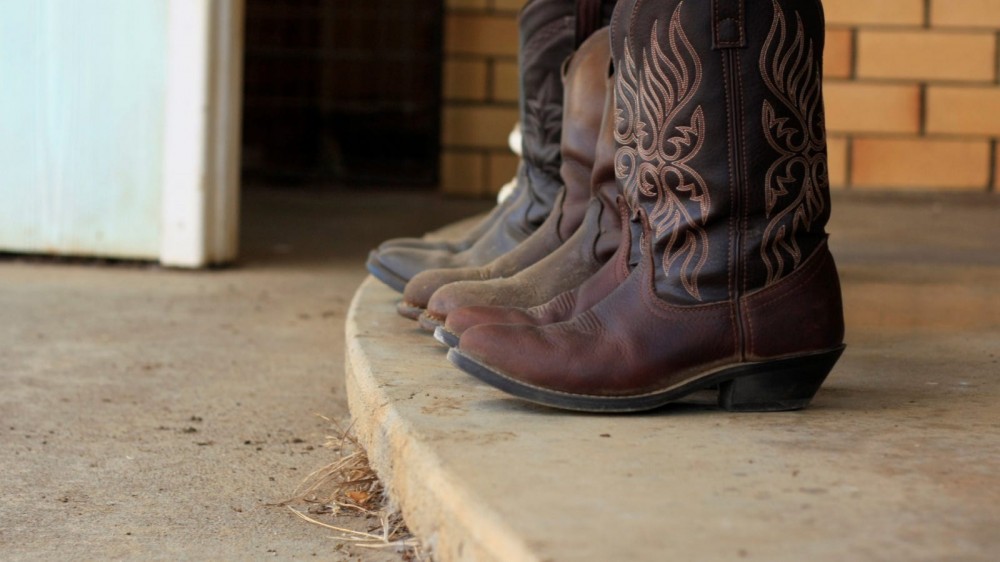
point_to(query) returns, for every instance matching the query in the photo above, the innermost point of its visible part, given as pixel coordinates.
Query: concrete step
(897, 459)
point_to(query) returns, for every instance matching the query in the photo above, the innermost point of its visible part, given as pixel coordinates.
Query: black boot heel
(776, 386)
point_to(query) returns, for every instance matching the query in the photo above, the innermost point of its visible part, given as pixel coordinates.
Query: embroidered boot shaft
(734, 286)
(728, 118)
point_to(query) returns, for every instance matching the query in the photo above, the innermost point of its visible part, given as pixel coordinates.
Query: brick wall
(480, 95)
(912, 94)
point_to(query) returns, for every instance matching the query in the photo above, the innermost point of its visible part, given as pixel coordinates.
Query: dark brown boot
(736, 288)
(547, 38)
(585, 83)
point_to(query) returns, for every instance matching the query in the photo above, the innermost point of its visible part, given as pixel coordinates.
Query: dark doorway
(342, 92)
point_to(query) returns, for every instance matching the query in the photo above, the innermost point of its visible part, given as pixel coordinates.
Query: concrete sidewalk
(897, 459)
(152, 414)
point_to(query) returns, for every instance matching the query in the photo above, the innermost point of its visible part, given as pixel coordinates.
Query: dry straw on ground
(349, 487)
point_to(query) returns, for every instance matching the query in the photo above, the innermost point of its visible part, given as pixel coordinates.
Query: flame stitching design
(796, 131)
(655, 150)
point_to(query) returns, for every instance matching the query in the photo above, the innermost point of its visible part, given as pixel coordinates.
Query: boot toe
(421, 289)
(417, 244)
(461, 319)
(406, 263)
(454, 296)
(519, 353)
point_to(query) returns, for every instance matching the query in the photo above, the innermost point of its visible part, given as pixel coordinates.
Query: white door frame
(200, 216)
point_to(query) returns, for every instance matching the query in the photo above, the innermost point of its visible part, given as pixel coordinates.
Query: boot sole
(446, 336)
(380, 272)
(429, 323)
(407, 310)
(770, 386)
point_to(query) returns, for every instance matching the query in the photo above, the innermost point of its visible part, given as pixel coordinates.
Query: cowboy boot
(736, 289)
(560, 308)
(567, 267)
(584, 86)
(547, 37)
(546, 278)
(589, 16)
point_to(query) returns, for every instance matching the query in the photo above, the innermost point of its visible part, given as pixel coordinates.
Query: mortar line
(991, 176)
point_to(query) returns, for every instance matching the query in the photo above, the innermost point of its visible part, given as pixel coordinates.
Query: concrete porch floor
(150, 414)
(897, 459)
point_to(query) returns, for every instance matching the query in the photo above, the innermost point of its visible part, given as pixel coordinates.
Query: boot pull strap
(589, 18)
(728, 24)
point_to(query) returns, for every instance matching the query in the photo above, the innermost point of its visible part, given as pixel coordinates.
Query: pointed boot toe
(384, 274)
(461, 319)
(424, 285)
(418, 244)
(402, 264)
(464, 294)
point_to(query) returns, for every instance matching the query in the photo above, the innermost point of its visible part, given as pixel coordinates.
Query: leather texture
(572, 263)
(563, 306)
(585, 85)
(547, 38)
(727, 179)
(528, 305)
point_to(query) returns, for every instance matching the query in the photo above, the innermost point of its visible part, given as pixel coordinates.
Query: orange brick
(480, 34)
(477, 126)
(957, 110)
(464, 80)
(836, 148)
(920, 164)
(926, 55)
(506, 86)
(502, 167)
(853, 107)
(965, 13)
(462, 173)
(874, 12)
(838, 53)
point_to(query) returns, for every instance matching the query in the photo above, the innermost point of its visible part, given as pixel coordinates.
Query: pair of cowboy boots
(550, 30)
(722, 279)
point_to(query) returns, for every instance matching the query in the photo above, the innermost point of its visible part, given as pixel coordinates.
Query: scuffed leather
(563, 306)
(585, 92)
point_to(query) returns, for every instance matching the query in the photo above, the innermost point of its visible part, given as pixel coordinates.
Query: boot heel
(776, 386)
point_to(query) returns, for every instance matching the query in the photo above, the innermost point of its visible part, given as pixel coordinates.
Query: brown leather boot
(560, 308)
(547, 37)
(552, 273)
(736, 288)
(567, 267)
(585, 83)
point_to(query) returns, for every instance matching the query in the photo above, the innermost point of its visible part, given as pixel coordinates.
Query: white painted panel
(82, 96)
(203, 109)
